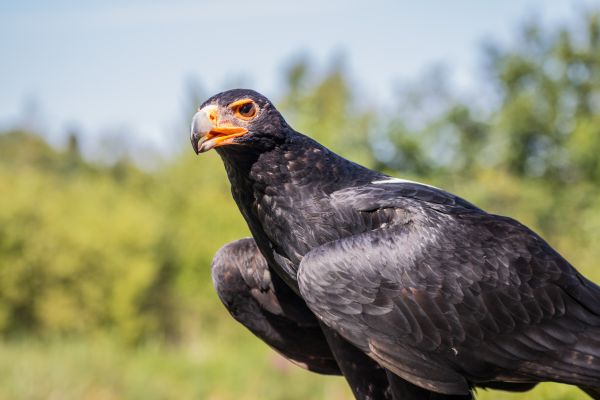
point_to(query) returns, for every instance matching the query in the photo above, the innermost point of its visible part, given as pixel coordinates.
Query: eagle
(407, 290)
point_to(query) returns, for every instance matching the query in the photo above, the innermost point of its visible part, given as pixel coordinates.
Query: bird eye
(247, 110)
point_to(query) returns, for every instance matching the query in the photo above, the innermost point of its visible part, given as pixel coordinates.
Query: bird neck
(281, 188)
(296, 163)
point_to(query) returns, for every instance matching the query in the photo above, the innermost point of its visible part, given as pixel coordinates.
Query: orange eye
(247, 110)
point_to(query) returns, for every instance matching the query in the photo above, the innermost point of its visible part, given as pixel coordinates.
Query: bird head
(236, 117)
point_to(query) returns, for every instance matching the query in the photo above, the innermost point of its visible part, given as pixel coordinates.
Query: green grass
(545, 391)
(224, 365)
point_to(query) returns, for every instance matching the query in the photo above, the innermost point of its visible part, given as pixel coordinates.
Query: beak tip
(194, 138)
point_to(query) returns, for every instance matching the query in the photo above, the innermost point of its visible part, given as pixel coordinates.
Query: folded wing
(447, 296)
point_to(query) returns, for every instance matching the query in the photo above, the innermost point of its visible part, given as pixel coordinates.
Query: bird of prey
(407, 290)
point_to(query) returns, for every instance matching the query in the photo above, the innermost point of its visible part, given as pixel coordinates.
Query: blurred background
(108, 222)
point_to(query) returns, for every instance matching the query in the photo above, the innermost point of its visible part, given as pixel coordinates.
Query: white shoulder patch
(398, 180)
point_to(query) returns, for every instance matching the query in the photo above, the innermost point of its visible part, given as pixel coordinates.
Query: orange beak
(208, 133)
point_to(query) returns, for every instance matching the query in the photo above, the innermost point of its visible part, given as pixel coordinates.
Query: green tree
(549, 108)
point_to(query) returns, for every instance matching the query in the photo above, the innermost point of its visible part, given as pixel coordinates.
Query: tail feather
(579, 365)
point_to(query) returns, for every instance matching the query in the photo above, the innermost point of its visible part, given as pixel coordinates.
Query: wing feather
(447, 296)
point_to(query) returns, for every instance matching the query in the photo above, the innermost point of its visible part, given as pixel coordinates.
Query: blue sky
(112, 66)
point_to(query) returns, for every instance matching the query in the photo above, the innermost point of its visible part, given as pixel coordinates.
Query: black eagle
(407, 290)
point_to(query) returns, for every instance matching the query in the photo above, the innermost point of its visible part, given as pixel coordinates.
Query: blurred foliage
(105, 287)
(326, 107)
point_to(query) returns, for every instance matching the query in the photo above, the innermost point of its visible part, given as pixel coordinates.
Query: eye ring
(247, 110)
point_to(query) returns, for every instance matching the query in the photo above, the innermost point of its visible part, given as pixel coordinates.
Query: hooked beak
(207, 132)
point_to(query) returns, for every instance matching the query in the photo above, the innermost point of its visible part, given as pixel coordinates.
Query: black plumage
(440, 295)
(268, 307)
